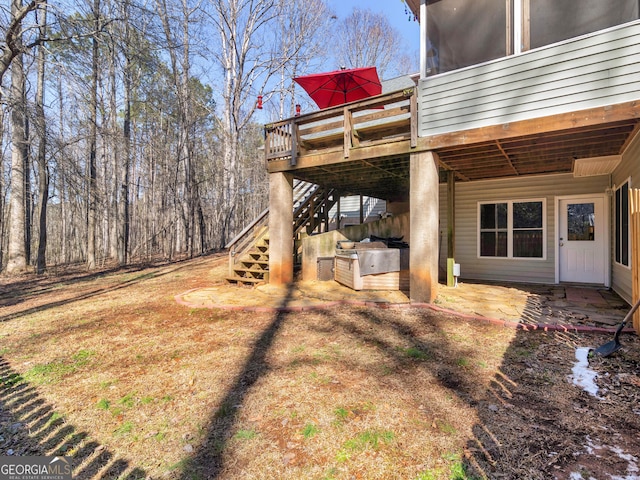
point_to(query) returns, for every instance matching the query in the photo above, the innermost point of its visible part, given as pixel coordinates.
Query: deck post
(451, 227)
(423, 238)
(280, 228)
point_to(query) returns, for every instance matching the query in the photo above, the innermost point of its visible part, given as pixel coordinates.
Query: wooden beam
(348, 137)
(318, 159)
(414, 119)
(448, 168)
(506, 156)
(294, 143)
(523, 128)
(630, 138)
(526, 25)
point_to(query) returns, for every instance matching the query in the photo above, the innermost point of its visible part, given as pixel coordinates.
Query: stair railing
(247, 238)
(242, 243)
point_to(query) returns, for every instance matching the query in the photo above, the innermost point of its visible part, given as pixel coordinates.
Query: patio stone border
(544, 327)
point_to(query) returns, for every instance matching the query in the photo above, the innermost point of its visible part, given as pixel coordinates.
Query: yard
(110, 369)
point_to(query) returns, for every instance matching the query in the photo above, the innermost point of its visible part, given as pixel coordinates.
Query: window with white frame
(512, 229)
(622, 224)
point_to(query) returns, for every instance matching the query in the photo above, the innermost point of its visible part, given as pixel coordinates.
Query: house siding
(629, 168)
(373, 209)
(469, 194)
(587, 72)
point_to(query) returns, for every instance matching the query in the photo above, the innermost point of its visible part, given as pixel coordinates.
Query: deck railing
(385, 118)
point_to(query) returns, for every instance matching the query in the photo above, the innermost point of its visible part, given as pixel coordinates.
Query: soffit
(414, 5)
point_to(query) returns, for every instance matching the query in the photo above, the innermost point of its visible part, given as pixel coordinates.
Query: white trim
(510, 203)
(423, 38)
(517, 27)
(614, 223)
(607, 238)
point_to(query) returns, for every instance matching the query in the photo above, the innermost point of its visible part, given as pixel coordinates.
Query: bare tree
(12, 44)
(302, 31)
(123, 205)
(247, 65)
(136, 155)
(43, 167)
(93, 139)
(17, 261)
(180, 69)
(367, 39)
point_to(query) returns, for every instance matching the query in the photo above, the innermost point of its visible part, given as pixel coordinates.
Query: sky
(394, 10)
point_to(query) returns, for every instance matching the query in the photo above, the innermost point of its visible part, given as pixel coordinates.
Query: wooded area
(129, 129)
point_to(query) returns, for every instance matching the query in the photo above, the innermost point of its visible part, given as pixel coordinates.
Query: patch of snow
(578, 476)
(632, 465)
(633, 470)
(582, 376)
(591, 447)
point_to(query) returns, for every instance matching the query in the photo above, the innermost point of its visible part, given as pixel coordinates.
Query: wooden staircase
(252, 267)
(249, 250)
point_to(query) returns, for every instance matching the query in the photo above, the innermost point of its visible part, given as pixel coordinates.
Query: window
(462, 33)
(512, 229)
(622, 224)
(552, 21)
(581, 222)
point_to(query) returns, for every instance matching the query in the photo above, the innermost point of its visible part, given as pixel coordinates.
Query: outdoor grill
(372, 266)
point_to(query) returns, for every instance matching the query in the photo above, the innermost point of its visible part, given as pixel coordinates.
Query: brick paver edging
(387, 305)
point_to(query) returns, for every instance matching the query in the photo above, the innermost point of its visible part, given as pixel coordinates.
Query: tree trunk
(28, 200)
(112, 189)
(43, 168)
(93, 134)
(123, 206)
(17, 261)
(3, 188)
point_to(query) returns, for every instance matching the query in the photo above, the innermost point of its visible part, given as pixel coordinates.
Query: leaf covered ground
(110, 369)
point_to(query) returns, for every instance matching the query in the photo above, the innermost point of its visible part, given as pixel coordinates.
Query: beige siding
(587, 72)
(629, 168)
(469, 194)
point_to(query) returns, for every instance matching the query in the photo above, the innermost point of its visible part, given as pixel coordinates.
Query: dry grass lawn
(109, 369)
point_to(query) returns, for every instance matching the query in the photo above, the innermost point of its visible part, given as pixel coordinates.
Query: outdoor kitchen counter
(372, 266)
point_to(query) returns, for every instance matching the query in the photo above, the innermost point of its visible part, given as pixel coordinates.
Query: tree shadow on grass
(371, 326)
(208, 461)
(20, 290)
(29, 426)
(428, 343)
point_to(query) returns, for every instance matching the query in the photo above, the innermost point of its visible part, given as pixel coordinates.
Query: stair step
(256, 261)
(250, 270)
(246, 281)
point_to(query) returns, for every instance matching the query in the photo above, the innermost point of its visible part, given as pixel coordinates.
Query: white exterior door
(582, 241)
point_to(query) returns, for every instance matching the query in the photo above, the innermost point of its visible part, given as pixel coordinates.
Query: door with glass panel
(581, 243)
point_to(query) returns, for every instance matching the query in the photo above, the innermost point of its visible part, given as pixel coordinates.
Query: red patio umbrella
(341, 86)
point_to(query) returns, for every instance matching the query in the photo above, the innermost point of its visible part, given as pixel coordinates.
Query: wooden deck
(337, 133)
(365, 147)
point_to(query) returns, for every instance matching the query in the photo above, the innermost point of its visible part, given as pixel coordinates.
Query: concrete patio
(528, 304)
